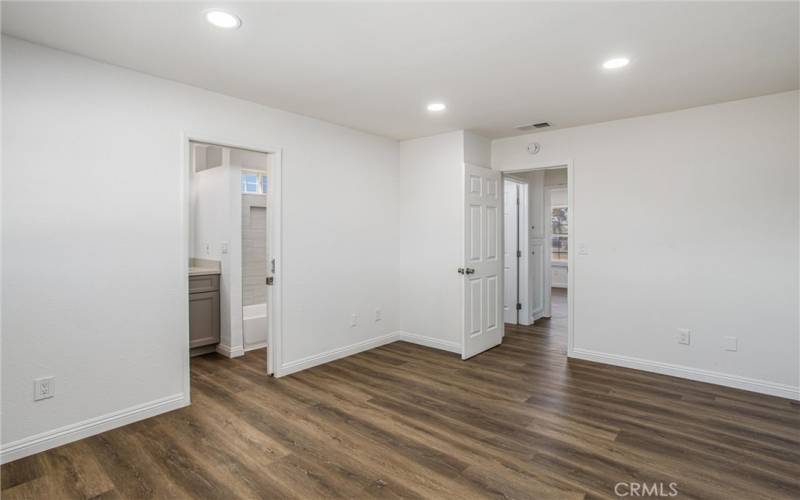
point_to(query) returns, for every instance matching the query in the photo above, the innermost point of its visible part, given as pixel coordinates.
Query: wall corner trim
(686, 372)
(230, 352)
(67, 434)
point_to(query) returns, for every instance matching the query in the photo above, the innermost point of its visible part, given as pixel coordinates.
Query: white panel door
(510, 260)
(536, 246)
(483, 293)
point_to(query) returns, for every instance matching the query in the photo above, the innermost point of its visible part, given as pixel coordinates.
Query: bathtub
(254, 326)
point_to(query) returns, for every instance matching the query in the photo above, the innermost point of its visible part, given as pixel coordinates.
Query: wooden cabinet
(203, 310)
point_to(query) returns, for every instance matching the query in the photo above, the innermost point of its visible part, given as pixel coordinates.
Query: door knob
(469, 270)
(460, 270)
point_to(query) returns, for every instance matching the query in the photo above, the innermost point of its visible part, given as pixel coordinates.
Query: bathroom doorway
(233, 225)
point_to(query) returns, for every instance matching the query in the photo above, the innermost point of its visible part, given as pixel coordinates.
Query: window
(254, 182)
(560, 236)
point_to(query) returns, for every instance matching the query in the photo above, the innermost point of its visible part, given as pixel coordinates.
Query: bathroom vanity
(204, 315)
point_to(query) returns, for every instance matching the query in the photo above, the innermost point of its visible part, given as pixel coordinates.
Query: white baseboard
(253, 347)
(444, 345)
(230, 352)
(711, 377)
(67, 434)
(334, 354)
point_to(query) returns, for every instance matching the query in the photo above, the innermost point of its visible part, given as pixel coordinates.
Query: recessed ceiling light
(436, 106)
(617, 62)
(222, 19)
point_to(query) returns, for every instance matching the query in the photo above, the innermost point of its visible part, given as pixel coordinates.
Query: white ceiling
(374, 67)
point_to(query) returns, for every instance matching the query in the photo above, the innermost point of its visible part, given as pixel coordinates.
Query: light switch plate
(684, 336)
(731, 344)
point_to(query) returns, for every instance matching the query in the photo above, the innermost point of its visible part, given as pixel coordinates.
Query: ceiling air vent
(533, 126)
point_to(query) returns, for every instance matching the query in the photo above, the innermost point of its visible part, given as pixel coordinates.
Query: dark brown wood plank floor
(404, 421)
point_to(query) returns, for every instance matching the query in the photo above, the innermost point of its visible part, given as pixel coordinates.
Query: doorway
(232, 224)
(537, 252)
(499, 241)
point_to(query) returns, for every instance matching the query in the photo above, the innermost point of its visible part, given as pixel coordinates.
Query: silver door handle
(469, 270)
(460, 270)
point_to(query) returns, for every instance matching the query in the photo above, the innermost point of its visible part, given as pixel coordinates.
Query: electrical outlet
(684, 336)
(354, 320)
(208, 249)
(43, 388)
(377, 314)
(583, 249)
(731, 344)
(223, 247)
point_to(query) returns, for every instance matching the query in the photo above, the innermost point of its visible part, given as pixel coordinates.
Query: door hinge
(517, 201)
(519, 253)
(519, 307)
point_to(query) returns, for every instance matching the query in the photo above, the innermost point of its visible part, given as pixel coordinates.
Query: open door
(483, 292)
(537, 250)
(510, 252)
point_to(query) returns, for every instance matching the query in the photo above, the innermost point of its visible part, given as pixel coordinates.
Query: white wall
(431, 234)
(477, 150)
(430, 237)
(94, 290)
(706, 239)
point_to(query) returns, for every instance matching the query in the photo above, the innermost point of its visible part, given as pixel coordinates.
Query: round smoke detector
(534, 148)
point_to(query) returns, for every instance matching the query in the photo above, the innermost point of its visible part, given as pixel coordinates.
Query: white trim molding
(230, 352)
(334, 354)
(253, 347)
(443, 345)
(67, 434)
(708, 376)
(343, 352)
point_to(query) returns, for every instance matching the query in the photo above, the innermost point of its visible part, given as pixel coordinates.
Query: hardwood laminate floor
(404, 421)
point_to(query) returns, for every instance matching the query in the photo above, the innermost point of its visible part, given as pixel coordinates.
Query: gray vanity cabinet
(203, 310)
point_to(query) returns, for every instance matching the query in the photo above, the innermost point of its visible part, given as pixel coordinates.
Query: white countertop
(204, 267)
(203, 271)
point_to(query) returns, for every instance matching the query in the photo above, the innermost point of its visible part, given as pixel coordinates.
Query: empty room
(424, 250)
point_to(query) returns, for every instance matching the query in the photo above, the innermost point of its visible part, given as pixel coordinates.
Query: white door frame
(275, 218)
(571, 250)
